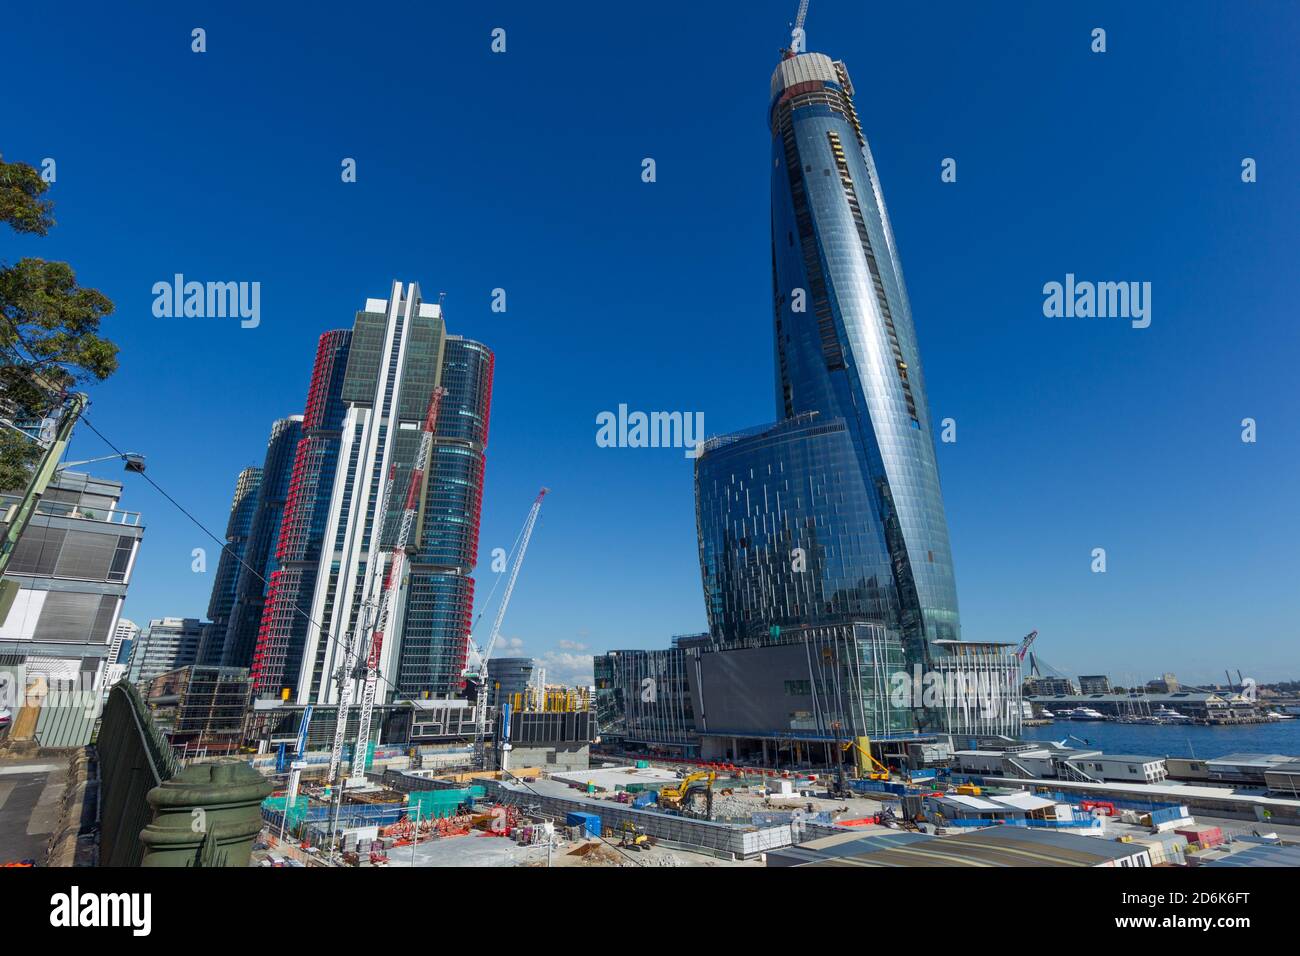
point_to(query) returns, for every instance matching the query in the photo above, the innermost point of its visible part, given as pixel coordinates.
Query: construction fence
(726, 839)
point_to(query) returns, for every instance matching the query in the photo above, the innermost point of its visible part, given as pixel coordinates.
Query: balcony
(72, 509)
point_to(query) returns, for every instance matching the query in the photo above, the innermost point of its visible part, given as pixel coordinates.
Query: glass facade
(788, 532)
(643, 698)
(243, 507)
(277, 659)
(399, 353)
(846, 353)
(259, 561)
(811, 683)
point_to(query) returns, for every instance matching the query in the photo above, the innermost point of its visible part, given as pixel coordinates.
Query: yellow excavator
(632, 837)
(867, 765)
(679, 799)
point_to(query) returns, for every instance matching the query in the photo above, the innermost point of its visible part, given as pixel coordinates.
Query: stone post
(207, 815)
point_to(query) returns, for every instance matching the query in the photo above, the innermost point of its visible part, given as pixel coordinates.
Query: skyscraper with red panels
(278, 657)
(374, 400)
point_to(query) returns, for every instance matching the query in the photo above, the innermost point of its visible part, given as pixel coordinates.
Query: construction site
(654, 813)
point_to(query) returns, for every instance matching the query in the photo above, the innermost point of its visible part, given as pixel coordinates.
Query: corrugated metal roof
(1261, 856)
(996, 847)
(974, 803)
(1024, 801)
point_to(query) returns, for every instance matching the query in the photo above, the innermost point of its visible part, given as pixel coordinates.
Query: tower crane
(476, 667)
(1025, 644)
(348, 667)
(393, 581)
(799, 18)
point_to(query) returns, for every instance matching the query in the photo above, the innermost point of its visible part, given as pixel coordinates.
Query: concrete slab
(29, 810)
(608, 777)
(472, 850)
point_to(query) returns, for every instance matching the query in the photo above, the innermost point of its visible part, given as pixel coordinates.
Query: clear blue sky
(522, 171)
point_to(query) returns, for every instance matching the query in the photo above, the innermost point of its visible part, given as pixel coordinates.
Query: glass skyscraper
(399, 352)
(259, 561)
(283, 631)
(834, 514)
(243, 507)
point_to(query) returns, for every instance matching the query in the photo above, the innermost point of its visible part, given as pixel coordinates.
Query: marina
(1191, 740)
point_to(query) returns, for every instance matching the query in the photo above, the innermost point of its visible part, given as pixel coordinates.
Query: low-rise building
(1245, 769)
(200, 708)
(1126, 767)
(1094, 684)
(1284, 778)
(998, 846)
(73, 565)
(166, 644)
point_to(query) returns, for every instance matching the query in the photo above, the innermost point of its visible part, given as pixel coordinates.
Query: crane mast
(393, 582)
(478, 669)
(1025, 644)
(796, 33)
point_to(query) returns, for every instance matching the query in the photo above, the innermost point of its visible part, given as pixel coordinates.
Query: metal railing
(72, 509)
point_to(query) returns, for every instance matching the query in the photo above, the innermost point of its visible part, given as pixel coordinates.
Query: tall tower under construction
(398, 354)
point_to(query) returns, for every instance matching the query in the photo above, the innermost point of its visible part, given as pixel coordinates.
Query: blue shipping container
(589, 821)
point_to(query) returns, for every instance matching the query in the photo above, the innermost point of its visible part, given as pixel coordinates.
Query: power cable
(225, 547)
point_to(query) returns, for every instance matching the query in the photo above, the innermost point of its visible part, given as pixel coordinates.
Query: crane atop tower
(796, 35)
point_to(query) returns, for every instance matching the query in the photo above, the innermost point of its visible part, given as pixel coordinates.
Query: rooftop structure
(996, 847)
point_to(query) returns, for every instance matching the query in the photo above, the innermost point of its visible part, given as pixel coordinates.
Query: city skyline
(1072, 435)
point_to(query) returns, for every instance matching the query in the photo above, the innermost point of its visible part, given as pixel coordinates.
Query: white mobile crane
(367, 619)
(476, 666)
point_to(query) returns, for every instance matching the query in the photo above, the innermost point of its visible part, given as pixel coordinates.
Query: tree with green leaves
(49, 327)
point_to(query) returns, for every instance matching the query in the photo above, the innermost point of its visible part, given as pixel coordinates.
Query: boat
(1080, 713)
(1168, 715)
(1277, 715)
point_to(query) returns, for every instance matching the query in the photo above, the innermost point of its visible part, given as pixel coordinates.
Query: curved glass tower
(833, 515)
(845, 344)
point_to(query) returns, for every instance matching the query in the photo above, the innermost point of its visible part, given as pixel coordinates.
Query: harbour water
(1172, 740)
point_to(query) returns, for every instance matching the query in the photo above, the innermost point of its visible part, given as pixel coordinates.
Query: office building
(124, 635)
(259, 559)
(1165, 684)
(510, 675)
(200, 709)
(225, 582)
(73, 564)
(399, 353)
(277, 659)
(823, 546)
(166, 644)
(1038, 686)
(1094, 684)
(846, 347)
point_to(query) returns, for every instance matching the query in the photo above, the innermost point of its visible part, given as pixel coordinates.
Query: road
(30, 796)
